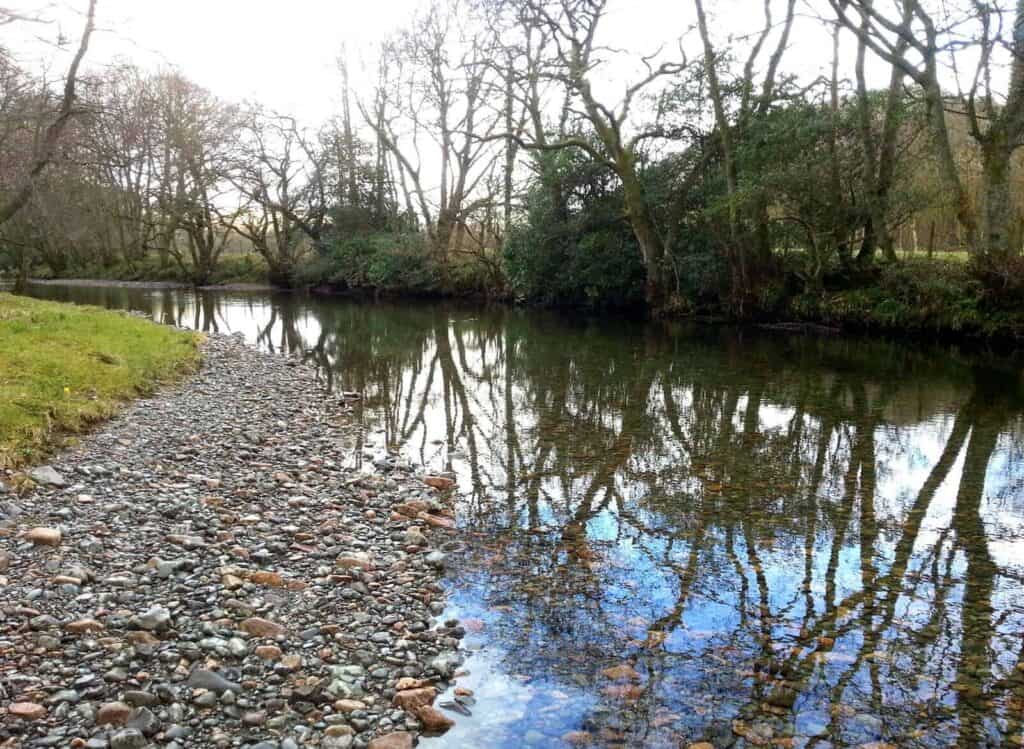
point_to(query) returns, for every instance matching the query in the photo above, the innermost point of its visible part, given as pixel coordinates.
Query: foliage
(916, 297)
(574, 248)
(377, 261)
(63, 367)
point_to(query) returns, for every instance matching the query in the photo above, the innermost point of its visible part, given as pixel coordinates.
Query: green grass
(63, 367)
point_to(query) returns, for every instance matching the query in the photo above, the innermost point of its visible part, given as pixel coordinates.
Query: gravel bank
(206, 571)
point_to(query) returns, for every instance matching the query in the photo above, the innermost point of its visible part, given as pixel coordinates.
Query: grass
(64, 367)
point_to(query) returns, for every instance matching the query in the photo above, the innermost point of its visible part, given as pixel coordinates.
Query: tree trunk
(652, 248)
(998, 214)
(965, 214)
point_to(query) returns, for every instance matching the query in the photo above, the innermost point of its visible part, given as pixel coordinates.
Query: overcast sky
(283, 52)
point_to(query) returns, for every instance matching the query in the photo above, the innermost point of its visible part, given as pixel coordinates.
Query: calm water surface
(748, 539)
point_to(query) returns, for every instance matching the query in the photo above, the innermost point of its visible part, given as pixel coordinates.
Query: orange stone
(439, 482)
(438, 521)
(407, 682)
(433, 720)
(623, 672)
(410, 699)
(44, 536)
(26, 710)
(396, 740)
(268, 652)
(412, 508)
(257, 627)
(264, 577)
(113, 714)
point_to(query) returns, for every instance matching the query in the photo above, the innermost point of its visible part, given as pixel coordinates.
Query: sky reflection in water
(693, 535)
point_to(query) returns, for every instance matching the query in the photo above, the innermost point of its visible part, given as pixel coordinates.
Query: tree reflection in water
(769, 540)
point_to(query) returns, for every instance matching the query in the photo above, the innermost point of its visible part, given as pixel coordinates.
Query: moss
(63, 367)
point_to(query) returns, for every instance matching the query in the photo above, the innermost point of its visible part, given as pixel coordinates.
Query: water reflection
(749, 540)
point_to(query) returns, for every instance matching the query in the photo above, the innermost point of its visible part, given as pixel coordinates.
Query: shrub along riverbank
(593, 268)
(63, 367)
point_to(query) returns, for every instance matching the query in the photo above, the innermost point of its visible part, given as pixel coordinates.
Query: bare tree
(47, 146)
(917, 39)
(195, 196)
(437, 91)
(280, 170)
(570, 27)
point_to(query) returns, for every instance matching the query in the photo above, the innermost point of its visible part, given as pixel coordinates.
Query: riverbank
(222, 565)
(917, 299)
(153, 285)
(64, 367)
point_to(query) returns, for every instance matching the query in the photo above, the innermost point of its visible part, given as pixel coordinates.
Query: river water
(679, 535)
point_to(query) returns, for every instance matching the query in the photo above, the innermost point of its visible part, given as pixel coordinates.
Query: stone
(47, 476)
(438, 521)
(263, 577)
(579, 738)
(254, 718)
(268, 652)
(140, 698)
(354, 559)
(156, 618)
(440, 483)
(128, 738)
(143, 719)
(26, 710)
(113, 714)
(622, 672)
(396, 740)
(436, 559)
(410, 699)
(44, 536)
(413, 537)
(349, 706)
(201, 678)
(142, 601)
(446, 663)
(257, 627)
(407, 682)
(412, 508)
(433, 720)
(139, 637)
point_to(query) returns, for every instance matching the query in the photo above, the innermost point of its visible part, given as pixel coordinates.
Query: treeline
(488, 157)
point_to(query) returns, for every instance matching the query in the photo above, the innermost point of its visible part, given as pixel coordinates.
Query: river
(673, 535)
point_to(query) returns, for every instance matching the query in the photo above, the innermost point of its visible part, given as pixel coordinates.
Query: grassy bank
(63, 367)
(920, 298)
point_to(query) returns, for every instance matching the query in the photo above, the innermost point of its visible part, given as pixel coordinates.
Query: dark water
(674, 536)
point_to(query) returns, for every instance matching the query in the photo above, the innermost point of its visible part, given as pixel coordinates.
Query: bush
(377, 262)
(918, 296)
(579, 253)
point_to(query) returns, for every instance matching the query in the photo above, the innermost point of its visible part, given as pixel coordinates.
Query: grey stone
(47, 476)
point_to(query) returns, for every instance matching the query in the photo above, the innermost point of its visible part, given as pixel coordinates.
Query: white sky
(284, 53)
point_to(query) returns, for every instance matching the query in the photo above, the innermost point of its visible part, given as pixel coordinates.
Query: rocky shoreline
(212, 569)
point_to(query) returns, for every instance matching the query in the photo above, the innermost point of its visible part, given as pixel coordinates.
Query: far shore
(100, 282)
